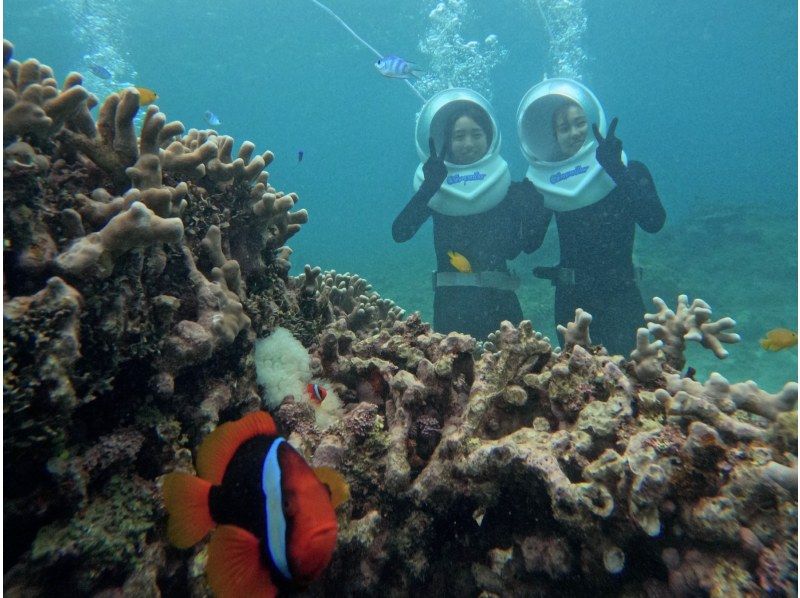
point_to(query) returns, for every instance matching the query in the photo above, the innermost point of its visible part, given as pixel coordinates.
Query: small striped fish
(395, 67)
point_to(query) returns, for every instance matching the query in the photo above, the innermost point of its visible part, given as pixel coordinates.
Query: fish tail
(186, 499)
(234, 565)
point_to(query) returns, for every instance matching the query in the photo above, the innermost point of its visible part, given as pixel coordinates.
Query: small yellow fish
(336, 484)
(778, 338)
(146, 95)
(459, 262)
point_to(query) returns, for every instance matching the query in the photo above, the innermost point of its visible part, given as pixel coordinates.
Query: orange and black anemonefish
(272, 515)
(316, 394)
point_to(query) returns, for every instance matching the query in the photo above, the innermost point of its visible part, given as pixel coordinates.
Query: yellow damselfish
(459, 262)
(337, 486)
(779, 338)
(146, 95)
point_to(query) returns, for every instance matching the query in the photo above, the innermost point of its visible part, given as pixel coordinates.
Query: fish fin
(234, 565)
(216, 451)
(186, 499)
(769, 345)
(417, 72)
(336, 484)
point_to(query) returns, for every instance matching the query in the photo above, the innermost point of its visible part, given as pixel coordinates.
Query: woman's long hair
(472, 111)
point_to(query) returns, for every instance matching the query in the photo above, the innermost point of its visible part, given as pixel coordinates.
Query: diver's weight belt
(489, 278)
(558, 275)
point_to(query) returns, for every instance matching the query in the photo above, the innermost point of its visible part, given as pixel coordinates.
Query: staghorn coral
(689, 323)
(671, 329)
(577, 332)
(506, 468)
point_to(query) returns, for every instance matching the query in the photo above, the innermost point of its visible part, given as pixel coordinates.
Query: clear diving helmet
(469, 188)
(566, 183)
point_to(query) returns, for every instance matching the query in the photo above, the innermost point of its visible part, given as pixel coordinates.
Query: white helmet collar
(469, 188)
(579, 180)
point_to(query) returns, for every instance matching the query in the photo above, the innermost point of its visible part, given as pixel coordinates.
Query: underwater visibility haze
(142, 265)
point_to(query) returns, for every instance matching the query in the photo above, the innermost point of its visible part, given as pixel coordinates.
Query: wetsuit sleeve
(642, 198)
(413, 215)
(531, 218)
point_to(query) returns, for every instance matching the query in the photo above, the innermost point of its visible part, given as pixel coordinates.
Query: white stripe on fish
(397, 68)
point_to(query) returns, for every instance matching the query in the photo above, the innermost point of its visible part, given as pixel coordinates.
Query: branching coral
(348, 296)
(592, 453)
(32, 103)
(577, 331)
(126, 304)
(689, 323)
(96, 254)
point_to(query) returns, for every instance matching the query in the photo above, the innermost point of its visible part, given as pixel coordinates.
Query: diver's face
(571, 129)
(468, 143)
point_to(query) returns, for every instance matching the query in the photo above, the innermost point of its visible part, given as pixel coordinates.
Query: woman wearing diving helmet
(480, 218)
(598, 198)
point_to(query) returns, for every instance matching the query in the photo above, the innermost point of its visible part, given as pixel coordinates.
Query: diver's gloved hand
(609, 152)
(434, 170)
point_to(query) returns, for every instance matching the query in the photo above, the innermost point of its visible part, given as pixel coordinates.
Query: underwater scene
(411, 298)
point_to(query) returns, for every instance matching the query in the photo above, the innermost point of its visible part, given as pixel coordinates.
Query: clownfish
(316, 394)
(271, 515)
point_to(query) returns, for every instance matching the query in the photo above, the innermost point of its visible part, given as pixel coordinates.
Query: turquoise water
(706, 94)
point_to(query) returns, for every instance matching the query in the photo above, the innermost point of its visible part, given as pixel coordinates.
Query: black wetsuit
(596, 244)
(487, 240)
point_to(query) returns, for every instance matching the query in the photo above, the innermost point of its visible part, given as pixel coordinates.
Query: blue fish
(100, 71)
(212, 118)
(397, 68)
(300, 156)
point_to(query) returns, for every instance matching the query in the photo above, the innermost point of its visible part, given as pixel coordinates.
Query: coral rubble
(141, 269)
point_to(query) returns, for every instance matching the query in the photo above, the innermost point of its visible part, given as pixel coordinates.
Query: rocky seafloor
(139, 269)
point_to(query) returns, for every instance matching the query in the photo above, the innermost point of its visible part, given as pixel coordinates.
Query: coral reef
(141, 268)
(135, 268)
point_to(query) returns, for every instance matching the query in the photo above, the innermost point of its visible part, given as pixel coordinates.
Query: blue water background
(706, 93)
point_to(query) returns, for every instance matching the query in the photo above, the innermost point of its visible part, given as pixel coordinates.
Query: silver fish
(212, 118)
(100, 70)
(397, 68)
